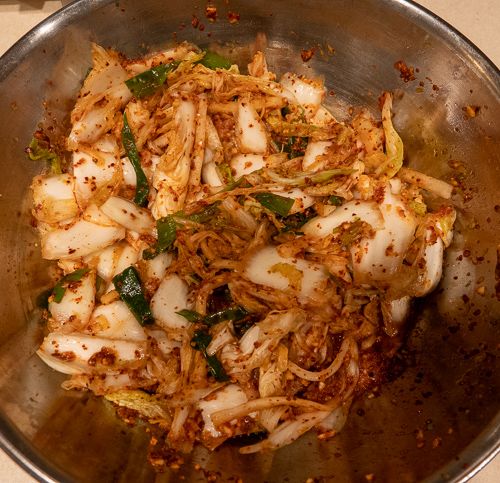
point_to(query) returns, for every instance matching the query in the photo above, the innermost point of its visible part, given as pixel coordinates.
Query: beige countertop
(479, 20)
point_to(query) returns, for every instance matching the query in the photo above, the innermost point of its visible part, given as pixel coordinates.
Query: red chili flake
(195, 21)
(307, 55)
(65, 356)
(406, 72)
(436, 442)
(233, 17)
(471, 111)
(211, 13)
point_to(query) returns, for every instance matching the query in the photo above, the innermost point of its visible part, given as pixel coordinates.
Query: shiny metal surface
(438, 420)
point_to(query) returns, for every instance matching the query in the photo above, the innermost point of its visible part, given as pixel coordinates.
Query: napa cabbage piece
(304, 179)
(226, 398)
(97, 171)
(146, 405)
(80, 238)
(167, 56)
(102, 96)
(172, 173)
(250, 130)
(84, 354)
(36, 152)
(112, 260)
(53, 198)
(259, 269)
(170, 298)
(393, 143)
(129, 215)
(307, 92)
(116, 321)
(380, 257)
(314, 150)
(73, 301)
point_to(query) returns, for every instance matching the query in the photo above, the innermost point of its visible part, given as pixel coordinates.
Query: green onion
(167, 233)
(202, 216)
(295, 146)
(275, 203)
(100, 283)
(232, 313)
(37, 153)
(142, 187)
(167, 228)
(215, 61)
(305, 178)
(60, 289)
(353, 233)
(335, 200)
(295, 222)
(235, 184)
(128, 285)
(200, 342)
(418, 207)
(146, 83)
(190, 315)
(225, 172)
(393, 143)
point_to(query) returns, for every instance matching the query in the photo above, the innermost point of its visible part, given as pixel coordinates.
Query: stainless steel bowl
(439, 417)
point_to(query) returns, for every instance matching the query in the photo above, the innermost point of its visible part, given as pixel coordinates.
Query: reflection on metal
(436, 421)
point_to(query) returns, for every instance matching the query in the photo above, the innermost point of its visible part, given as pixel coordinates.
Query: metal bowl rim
(485, 446)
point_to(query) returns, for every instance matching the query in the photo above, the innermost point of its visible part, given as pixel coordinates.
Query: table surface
(479, 20)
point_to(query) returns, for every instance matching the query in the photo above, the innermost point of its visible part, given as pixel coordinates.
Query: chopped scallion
(142, 187)
(215, 61)
(60, 287)
(128, 285)
(146, 83)
(200, 342)
(167, 233)
(275, 203)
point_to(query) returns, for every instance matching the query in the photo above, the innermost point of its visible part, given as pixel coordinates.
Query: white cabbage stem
(116, 321)
(315, 149)
(243, 164)
(53, 198)
(129, 215)
(74, 353)
(223, 400)
(325, 373)
(250, 130)
(306, 92)
(171, 176)
(288, 432)
(79, 239)
(367, 211)
(434, 185)
(73, 312)
(221, 417)
(267, 267)
(97, 171)
(170, 298)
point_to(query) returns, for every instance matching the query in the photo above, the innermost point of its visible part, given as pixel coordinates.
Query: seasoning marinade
(256, 258)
